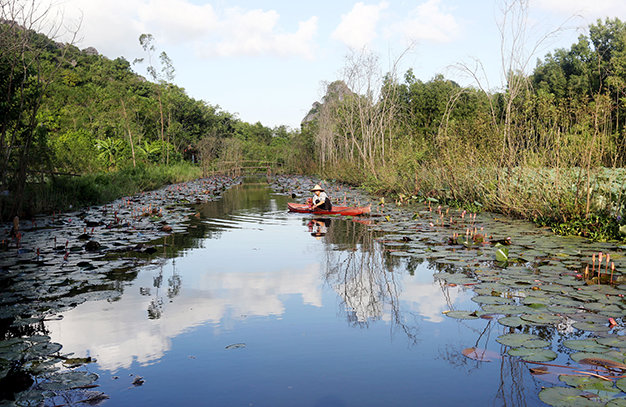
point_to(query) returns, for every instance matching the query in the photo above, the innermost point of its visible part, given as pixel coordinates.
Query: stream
(236, 302)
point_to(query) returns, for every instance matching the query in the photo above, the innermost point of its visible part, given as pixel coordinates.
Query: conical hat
(317, 187)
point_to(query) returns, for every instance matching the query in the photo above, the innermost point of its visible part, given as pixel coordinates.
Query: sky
(268, 61)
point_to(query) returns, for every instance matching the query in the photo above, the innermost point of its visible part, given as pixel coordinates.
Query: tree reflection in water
(368, 282)
(358, 270)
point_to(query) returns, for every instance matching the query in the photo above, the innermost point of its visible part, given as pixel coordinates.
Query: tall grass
(65, 192)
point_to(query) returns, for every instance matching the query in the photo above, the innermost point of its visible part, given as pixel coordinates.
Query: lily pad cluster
(54, 262)
(527, 279)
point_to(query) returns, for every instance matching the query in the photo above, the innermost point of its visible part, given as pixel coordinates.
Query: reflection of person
(320, 199)
(318, 227)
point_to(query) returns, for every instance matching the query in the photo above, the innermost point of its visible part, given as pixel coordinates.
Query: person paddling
(320, 199)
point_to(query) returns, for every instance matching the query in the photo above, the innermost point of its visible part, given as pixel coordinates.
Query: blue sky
(267, 60)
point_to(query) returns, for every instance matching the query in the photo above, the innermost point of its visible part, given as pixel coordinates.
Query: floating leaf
(542, 319)
(533, 355)
(621, 384)
(585, 345)
(515, 339)
(565, 397)
(617, 402)
(512, 322)
(536, 343)
(487, 299)
(505, 309)
(613, 341)
(68, 380)
(562, 309)
(591, 326)
(586, 382)
(462, 314)
(502, 253)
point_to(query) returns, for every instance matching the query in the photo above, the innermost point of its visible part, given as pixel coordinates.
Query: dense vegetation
(549, 146)
(66, 111)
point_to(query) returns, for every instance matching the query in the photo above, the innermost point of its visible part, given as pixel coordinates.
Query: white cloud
(119, 333)
(113, 27)
(430, 22)
(255, 32)
(358, 28)
(589, 10)
(177, 20)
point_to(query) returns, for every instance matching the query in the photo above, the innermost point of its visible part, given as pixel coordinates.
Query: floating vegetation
(553, 298)
(61, 260)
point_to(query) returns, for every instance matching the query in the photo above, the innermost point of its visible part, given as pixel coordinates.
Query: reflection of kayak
(337, 210)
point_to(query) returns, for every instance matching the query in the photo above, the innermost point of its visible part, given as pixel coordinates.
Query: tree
(29, 64)
(161, 77)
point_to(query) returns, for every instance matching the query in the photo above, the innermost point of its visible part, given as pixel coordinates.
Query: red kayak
(337, 210)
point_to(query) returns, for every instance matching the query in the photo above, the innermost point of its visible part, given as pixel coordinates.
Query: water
(257, 311)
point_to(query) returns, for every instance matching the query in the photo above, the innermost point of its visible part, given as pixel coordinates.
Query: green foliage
(595, 227)
(75, 152)
(65, 192)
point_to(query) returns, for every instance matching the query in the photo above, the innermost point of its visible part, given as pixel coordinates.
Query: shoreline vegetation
(548, 146)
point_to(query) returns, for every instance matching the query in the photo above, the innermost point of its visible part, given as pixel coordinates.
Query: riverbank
(64, 193)
(572, 202)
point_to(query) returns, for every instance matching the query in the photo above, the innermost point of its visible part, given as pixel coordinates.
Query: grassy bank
(65, 192)
(571, 201)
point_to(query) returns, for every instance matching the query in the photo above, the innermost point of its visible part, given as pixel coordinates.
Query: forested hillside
(71, 111)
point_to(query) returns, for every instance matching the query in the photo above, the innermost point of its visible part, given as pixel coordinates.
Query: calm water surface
(258, 312)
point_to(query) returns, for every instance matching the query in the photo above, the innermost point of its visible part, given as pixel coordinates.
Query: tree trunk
(130, 135)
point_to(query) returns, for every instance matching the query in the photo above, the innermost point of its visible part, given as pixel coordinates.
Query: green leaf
(516, 339)
(462, 314)
(533, 354)
(565, 397)
(502, 253)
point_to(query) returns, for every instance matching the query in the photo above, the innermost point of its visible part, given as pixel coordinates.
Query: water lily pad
(542, 318)
(585, 345)
(505, 309)
(621, 384)
(617, 402)
(579, 356)
(565, 397)
(590, 326)
(13, 350)
(533, 354)
(486, 299)
(588, 383)
(613, 341)
(68, 380)
(512, 321)
(536, 343)
(44, 348)
(515, 339)
(534, 300)
(610, 310)
(560, 309)
(462, 314)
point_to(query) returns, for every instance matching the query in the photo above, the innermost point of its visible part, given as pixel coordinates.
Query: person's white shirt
(319, 198)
